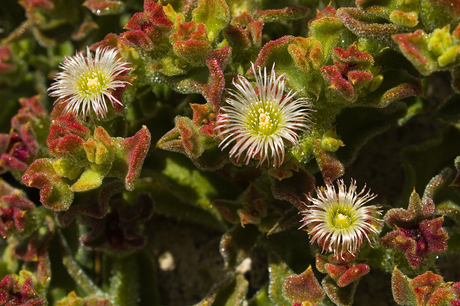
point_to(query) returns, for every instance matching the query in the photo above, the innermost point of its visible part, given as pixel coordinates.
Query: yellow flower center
(263, 118)
(92, 84)
(342, 221)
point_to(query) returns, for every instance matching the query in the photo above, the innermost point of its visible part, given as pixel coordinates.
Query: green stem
(76, 272)
(124, 284)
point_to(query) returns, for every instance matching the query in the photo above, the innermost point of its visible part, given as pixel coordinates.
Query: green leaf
(215, 14)
(279, 272)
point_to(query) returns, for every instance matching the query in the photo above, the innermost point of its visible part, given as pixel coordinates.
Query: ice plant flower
(340, 222)
(262, 120)
(85, 84)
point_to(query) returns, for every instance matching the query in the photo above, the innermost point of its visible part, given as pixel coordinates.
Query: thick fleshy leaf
(358, 23)
(149, 31)
(298, 58)
(401, 288)
(285, 14)
(21, 146)
(244, 35)
(304, 287)
(19, 290)
(55, 193)
(15, 212)
(279, 272)
(130, 156)
(416, 236)
(338, 295)
(425, 289)
(215, 14)
(327, 28)
(330, 166)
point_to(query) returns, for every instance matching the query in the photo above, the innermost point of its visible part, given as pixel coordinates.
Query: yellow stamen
(93, 84)
(342, 221)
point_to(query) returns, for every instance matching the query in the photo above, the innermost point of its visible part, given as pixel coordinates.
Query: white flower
(338, 221)
(262, 120)
(86, 83)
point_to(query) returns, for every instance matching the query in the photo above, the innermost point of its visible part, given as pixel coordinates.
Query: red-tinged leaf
(335, 271)
(330, 166)
(136, 39)
(415, 236)
(8, 162)
(402, 290)
(360, 78)
(401, 91)
(337, 82)
(31, 107)
(272, 51)
(55, 193)
(73, 125)
(194, 52)
(285, 14)
(441, 296)
(339, 296)
(110, 41)
(417, 211)
(357, 22)
(129, 161)
(228, 209)
(217, 61)
(209, 82)
(413, 46)
(304, 287)
(189, 31)
(19, 291)
(15, 210)
(353, 274)
(215, 14)
(424, 285)
(172, 141)
(352, 55)
(434, 234)
(456, 290)
(328, 12)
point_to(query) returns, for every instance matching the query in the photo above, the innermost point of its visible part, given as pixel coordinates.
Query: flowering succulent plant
(194, 152)
(262, 120)
(340, 222)
(86, 84)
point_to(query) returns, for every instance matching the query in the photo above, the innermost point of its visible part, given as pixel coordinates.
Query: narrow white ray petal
(338, 221)
(259, 121)
(87, 84)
